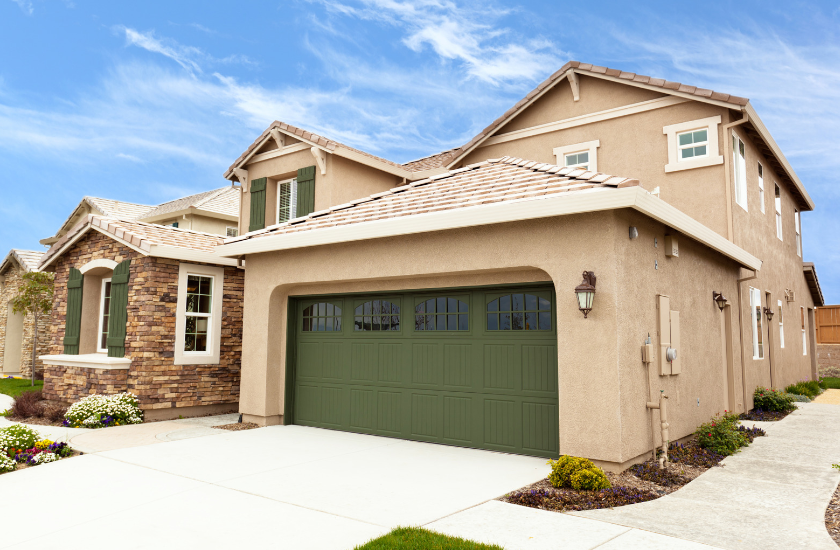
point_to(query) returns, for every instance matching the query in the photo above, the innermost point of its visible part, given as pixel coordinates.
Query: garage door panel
(310, 357)
(501, 423)
(539, 368)
(427, 364)
(333, 411)
(457, 419)
(539, 427)
(332, 361)
(363, 405)
(390, 412)
(391, 362)
(308, 403)
(425, 415)
(457, 365)
(363, 365)
(499, 367)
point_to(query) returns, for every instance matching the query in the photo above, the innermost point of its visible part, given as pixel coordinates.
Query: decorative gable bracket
(242, 175)
(321, 158)
(279, 137)
(573, 82)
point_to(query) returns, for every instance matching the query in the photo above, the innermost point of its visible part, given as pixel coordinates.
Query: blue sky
(149, 101)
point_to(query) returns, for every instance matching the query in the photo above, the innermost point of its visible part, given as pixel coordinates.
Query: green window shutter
(257, 220)
(305, 191)
(118, 311)
(73, 319)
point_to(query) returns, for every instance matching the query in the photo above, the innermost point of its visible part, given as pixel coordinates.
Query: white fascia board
(88, 361)
(777, 151)
(189, 212)
(666, 91)
(509, 211)
(274, 153)
(81, 234)
(369, 161)
(186, 254)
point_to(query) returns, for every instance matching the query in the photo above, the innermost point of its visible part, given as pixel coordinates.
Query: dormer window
(693, 144)
(583, 156)
(286, 200)
(578, 160)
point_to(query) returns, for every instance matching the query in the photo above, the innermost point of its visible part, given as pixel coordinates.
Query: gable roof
(813, 283)
(224, 200)
(321, 142)
(27, 259)
(489, 192)
(430, 162)
(146, 238)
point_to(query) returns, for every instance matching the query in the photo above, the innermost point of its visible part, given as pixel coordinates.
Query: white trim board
(214, 335)
(590, 118)
(88, 361)
(573, 202)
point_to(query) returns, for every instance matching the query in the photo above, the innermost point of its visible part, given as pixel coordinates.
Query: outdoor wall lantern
(768, 313)
(585, 292)
(720, 299)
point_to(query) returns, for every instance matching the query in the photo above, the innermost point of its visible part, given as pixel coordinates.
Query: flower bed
(103, 411)
(769, 405)
(22, 446)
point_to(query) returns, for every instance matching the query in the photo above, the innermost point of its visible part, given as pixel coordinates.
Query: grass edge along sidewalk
(415, 538)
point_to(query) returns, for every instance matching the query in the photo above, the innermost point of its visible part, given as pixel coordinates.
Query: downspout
(741, 332)
(727, 156)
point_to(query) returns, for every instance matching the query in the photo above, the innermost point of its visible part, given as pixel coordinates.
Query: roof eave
(189, 211)
(816, 292)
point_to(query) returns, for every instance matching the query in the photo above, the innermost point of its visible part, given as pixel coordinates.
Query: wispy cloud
(190, 58)
(25, 6)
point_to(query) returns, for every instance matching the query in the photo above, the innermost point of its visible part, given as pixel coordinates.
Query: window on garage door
(377, 315)
(519, 311)
(322, 317)
(442, 313)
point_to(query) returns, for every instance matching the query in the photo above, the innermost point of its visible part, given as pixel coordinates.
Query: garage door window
(377, 315)
(322, 317)
(441, 313)
(519, 312)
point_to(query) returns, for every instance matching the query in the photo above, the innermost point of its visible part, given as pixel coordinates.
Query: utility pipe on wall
(663, 419)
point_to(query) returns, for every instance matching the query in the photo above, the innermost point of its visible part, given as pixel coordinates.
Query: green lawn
(413, 538)
(831, 383)
(15, 387)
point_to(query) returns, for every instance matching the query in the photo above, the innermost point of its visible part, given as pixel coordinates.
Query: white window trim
(777, 206)
(797, 219)
(781, 325)
(713, 156)
(590, 147)
(101, 315)
(231, 227)
(804, 337)
(739, 173)
(292, 199)
(761, 187)
(214, 332)
(680, 158)
(755, 293)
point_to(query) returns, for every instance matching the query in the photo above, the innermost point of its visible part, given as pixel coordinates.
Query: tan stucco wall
(198, 222)
(602, 381)
(345, 180)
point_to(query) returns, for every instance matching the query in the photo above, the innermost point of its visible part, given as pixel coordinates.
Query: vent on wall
(790, 295)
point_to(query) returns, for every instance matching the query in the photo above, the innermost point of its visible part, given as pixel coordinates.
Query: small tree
(34, 297)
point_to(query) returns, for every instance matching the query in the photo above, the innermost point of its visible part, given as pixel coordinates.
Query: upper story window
(104, 315)
(442, 313)
(761, 187)
(286, 200)
(739, 169)
(172, 224)
(778, 212)
(796, 222)
(519, 312)
(757, 330)
(198, 313)
(377, 315)
(322, 317)
(693, 144)
(579, 155)
(231, 232)
(781, 326)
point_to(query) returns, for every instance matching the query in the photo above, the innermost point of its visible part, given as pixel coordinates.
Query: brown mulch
(832, 517)
(41, 421)
(763, 416)
(235, 427)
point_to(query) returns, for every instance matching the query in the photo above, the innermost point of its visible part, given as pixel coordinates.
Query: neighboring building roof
(438, 160)
(119, 209)
(224, 201)
(146, 238)
(27, 259)
(489, 192)
(813, 283)
(315, 140)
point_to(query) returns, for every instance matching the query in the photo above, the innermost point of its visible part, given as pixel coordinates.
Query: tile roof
(119, 209)
(28, 259)
(141, 235)
(224, 200)
(584, 68)
(438, 160)
(326, 143)
(488, 182)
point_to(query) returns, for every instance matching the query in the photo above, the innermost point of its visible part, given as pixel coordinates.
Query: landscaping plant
(770, 400)
(103, 411)
(808, 388)
(21, 444)
(722, 435)
(34, 297)
(577, 473)
(17, 438)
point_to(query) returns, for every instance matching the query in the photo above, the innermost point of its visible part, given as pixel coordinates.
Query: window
(198, 314)
(104, 315)
(739, 167)
(377, 315)
(173, 224)
(693, 144)
(322, 317)
(231, 231)
(580, 155)
(804, 338)
(199, 306)
(761, 187)
(286, 200)
(796, 222)
(778, 212)
(781, 326)
(519, 312)
(757, 330)
(441, 313)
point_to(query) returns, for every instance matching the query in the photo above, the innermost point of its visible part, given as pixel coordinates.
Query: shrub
(17, 438)
(693, 454)
(102, 411)
(565, 467)
(590, 479)
(28, 405)
(766, 399)
(751, 433)
(799, 398)
(808, 388)
(721, 435)
(664, 477)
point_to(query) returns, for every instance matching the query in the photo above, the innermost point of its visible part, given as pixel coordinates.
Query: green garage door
(467, 367)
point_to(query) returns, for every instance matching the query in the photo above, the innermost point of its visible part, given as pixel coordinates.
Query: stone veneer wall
(7, 290)
(150, 333)
(72, 383)
(828, 360)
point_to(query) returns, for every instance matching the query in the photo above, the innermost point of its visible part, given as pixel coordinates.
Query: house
(16, 328)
